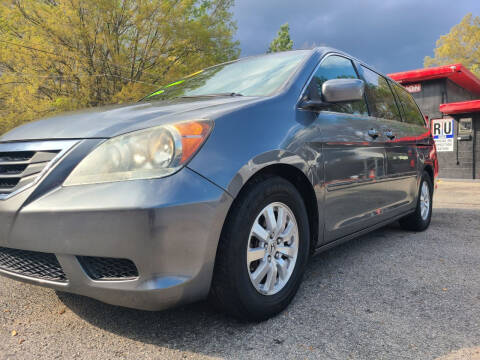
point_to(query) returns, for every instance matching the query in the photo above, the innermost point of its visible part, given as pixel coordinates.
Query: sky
(390, 35)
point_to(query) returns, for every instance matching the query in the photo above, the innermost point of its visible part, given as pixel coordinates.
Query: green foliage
(460, 45)
(282, 42)
(67, 54)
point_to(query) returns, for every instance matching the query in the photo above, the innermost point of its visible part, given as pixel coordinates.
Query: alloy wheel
(272, 248)
(424, 201)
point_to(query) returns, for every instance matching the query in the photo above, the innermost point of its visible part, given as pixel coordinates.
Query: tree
(67, 54)
(460, 45)
(282, 42)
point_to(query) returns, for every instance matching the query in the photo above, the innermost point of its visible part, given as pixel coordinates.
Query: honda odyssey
(219, 185)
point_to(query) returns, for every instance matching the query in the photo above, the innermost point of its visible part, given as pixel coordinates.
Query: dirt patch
(463, 354)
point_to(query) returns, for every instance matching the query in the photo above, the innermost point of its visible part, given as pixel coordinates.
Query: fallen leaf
(14, 333)
(62, 311)
(444, 289)
(21, 341)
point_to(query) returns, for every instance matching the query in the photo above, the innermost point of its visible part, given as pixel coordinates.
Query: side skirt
(357, 234)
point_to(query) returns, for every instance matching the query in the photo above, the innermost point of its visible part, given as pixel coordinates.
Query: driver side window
(336, 67)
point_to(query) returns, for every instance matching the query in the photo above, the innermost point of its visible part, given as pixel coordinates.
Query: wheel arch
(429, 170)
(302, 183)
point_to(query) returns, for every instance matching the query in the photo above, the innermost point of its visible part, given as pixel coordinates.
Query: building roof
(457, 73)
(460, 107)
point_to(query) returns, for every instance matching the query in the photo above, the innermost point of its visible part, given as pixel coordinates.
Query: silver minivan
(219, 185)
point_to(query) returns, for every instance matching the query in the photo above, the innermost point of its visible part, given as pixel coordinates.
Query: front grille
(12, 169)
(22, 163)
(8, 183)
(33, 264)
(103, 268)
(16, 155)
(21, 168)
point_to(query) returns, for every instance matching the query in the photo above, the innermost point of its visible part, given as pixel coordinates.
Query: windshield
(255, 76)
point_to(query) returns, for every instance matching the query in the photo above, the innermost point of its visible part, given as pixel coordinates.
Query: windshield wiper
(232, 94)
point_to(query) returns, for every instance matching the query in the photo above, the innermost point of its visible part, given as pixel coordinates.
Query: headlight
(144, 154)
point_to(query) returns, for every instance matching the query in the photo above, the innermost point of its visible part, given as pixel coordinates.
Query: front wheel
(420, 219)
(263, 251)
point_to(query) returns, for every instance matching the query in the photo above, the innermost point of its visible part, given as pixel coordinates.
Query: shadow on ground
(199, 322)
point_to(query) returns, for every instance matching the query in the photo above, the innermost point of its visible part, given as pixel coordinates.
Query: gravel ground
(388, 295)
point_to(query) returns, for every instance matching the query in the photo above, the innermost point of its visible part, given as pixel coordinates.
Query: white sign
(443, 134)
(413, 88)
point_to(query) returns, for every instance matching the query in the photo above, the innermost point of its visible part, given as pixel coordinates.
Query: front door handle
(373, 133)
(389, 134)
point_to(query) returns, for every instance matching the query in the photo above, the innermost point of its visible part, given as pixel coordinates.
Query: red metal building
(450, 96)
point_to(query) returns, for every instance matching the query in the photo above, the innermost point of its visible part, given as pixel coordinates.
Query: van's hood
(106, 122)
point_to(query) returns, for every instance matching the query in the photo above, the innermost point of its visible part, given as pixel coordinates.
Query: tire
(418, 221)
(233, 288)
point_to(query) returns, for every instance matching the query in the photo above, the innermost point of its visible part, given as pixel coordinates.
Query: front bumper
(168, 227)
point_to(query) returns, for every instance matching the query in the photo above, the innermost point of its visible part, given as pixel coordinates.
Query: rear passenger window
(380, 97)
(336, 67)
(411, 114)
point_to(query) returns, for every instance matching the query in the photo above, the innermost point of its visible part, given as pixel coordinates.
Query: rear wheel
(263, 251)
(420, 219)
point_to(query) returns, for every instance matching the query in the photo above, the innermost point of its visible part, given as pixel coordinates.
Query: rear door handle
(389, 134)
(373, 133)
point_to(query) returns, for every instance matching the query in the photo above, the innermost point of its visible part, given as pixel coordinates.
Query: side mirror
(342, 90)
